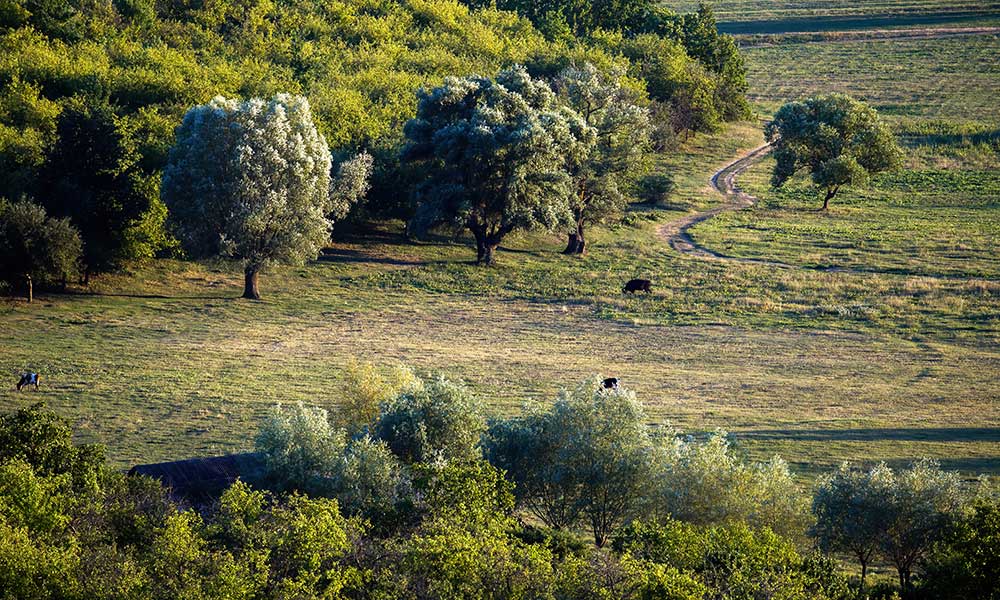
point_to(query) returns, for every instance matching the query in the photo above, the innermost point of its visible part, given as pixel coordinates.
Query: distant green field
(817, 12)
(933, 222)
(951, 80)
(940, 215)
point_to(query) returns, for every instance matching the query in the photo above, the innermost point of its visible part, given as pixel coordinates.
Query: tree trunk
(480, 236)
(31, 288)
(571, 244)
(864, 572)
(86, 277)
(576, 243)
(830, 193)
(250, 289)
(489, 253)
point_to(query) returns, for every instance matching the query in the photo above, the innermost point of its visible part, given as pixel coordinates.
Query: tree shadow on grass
(898, 434)
(149, 296)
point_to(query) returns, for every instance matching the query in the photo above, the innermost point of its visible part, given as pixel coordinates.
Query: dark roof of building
(200, 480)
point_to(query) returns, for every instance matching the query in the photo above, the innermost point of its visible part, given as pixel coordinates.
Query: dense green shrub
(966, 562)
(440, 420)
(35, 248)
(71, 528)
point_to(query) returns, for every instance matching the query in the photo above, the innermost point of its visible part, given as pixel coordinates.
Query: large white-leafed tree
(251, 180)
(492, 152)
(604, 171)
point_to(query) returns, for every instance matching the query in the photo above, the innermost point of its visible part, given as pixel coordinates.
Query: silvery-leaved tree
(839, 140)
(251, 180)
(603, 170)
(492, 152)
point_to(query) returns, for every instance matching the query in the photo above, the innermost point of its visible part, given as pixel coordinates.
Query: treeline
(92, 93)
(408, 492)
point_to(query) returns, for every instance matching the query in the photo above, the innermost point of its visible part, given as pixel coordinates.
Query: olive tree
(603, 171)
(492, 153)
(437, 420)
(898, 515)
(35, 247)
(839, 140)
(709, 482)
(302, 450)
(924, 502)
(849, 506)
(588, 458)
(251, 180)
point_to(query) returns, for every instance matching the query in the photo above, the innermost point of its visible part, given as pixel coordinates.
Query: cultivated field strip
(951, 79)
(768, 10)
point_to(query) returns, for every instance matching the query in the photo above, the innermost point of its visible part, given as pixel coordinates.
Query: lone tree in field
(493, 152)
(251, 180)
(603, 172)
(839, 140)
(35, 247)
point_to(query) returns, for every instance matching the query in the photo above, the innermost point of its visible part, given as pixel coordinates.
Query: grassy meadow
(899, 362)
(782, 16)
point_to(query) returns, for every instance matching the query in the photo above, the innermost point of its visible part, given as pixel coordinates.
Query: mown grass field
(164, 362)
(781, 16)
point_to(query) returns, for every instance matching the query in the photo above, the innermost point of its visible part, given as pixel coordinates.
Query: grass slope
(165, 362)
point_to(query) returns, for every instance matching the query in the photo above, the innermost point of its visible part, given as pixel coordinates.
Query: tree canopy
(251, 180)
(492, 152)
(35, 247)
(603, 175)
(838, 140)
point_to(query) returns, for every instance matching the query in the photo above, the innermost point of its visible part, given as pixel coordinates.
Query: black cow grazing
(28, 379)
(638, 285)
(611, 383)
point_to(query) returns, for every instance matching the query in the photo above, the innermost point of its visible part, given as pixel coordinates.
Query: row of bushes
(406, 501)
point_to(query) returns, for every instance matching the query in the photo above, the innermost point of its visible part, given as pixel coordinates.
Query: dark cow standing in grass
(638, 285)
(28, 379)
(611, 383)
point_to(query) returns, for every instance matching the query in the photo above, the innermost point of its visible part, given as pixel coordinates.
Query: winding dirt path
(675, 232)
(724, 181)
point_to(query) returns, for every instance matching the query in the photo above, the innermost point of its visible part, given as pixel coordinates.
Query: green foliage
(464, 547)
(27, 130)
(656, 189)
(366, 389)
(734, 561)
(492, 153)
(711, 483)
(966, 562)
(923, 502)
(439, 420)
(590, 457)
(895, 515)
(848, 506)
(579, 17)
(604, 172)
(251, 181)
(43, 440)
(301, 447)
(122, 538)
(839, 140)
(373, 483)
(93, 177)
(34, 247)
